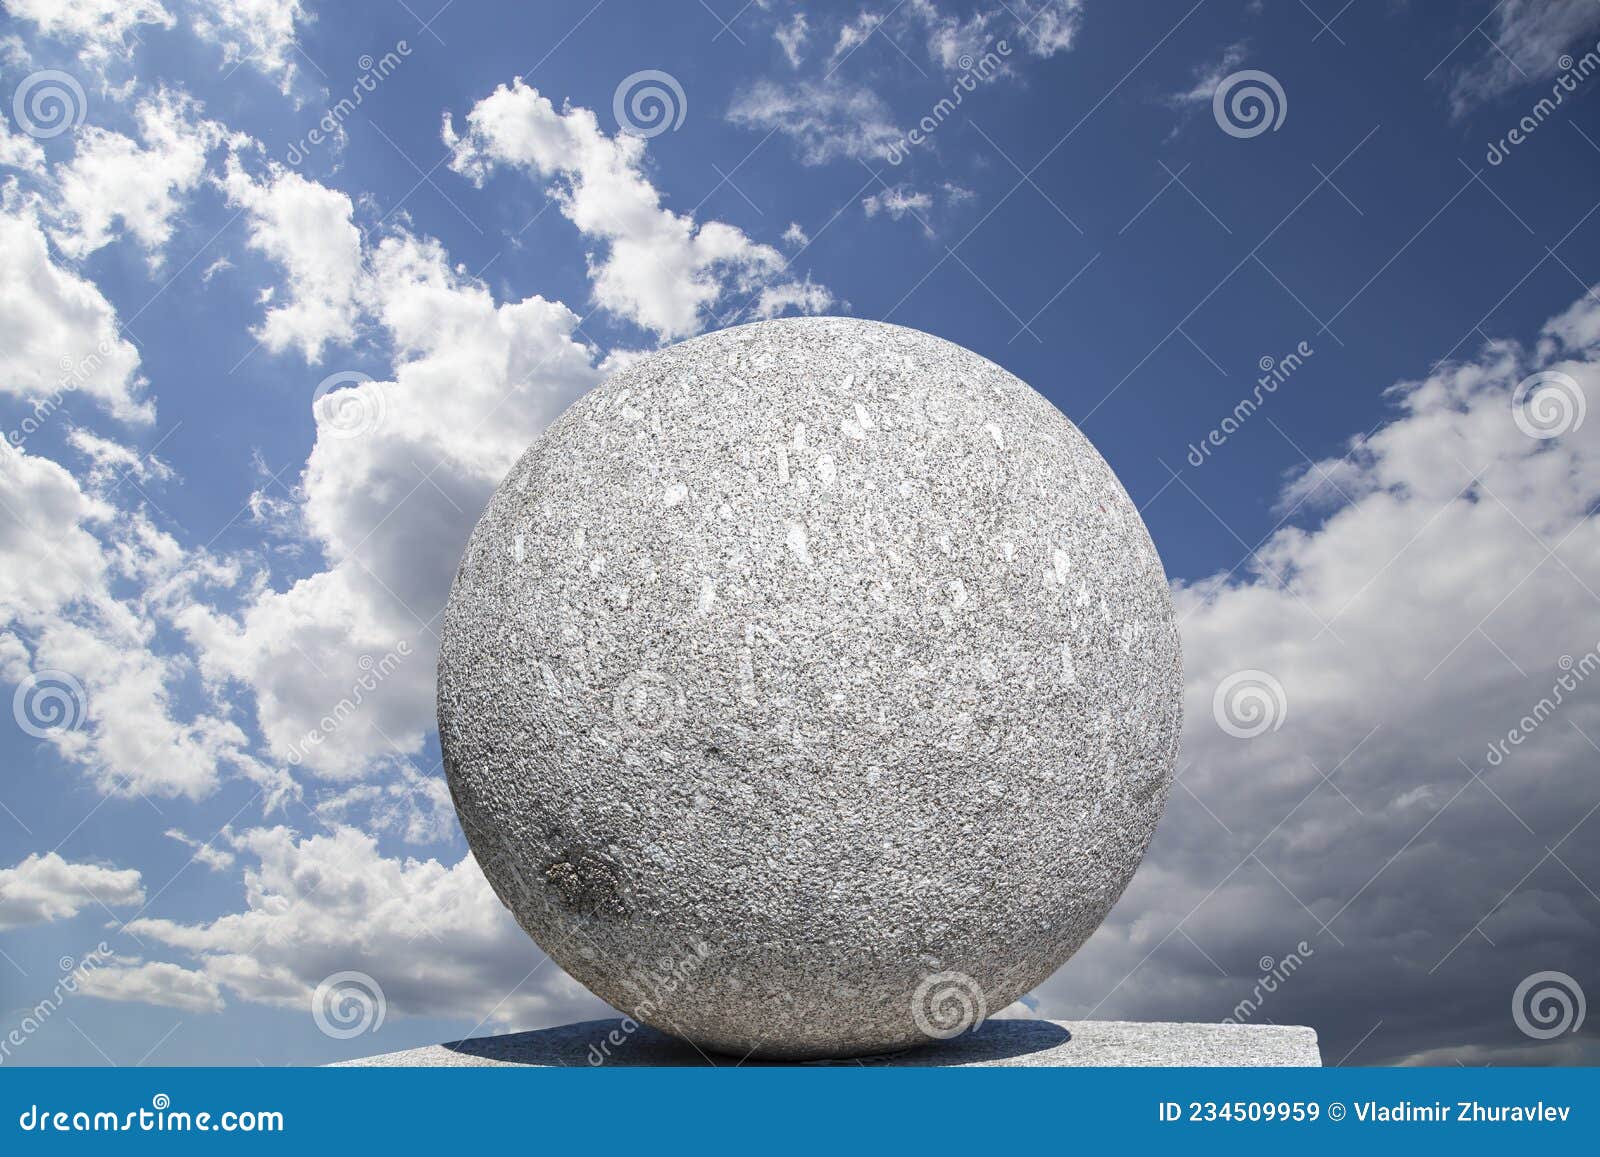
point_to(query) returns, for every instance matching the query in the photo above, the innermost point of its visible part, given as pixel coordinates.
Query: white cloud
(830, 117)
(474, 383)
(156, 982)
(111, 178)
(261, 33)
(105, 28)
(46, 887)
(1527, 39)
(111, 461)
(796, 236)
(901, 200)
(793, 297)
(660, 269)
(19, 151)
(897, 201)
(307, 229)
(791, 37)
(853, 34)
(417, 807)
(827, 119)
(1450, 516)
(62, 551)
(1207, 77)
(1048, 26)
(1044, 27)
(434, 938)
(950, 39)
(58, 334)
(205, 852)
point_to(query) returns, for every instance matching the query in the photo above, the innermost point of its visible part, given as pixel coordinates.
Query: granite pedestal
(998, 1043)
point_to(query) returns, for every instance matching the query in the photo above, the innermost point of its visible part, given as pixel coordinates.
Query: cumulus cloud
(58, 333)
(112, 178)
(104, 28)
(19, 151)
(154, 982)
(46, 887)
(260, 33)
(341, 662)
(92, 680)
(1384, 815)
(433, 937)
(307, 229)
(661, 269)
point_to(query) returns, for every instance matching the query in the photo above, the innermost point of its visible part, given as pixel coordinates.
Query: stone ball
(810, 689)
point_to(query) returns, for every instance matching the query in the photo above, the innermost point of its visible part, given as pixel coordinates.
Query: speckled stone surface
(809, 689)
(998, 1043)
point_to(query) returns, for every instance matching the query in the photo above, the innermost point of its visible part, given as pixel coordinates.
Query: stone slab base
(1030, 1043)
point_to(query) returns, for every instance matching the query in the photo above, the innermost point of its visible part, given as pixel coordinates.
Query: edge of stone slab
(997, 1043)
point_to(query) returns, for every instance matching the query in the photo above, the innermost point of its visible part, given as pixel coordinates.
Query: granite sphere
(810, 689)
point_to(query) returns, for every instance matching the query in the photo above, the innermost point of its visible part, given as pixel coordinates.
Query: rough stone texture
(809, 688)
(1002, 1043)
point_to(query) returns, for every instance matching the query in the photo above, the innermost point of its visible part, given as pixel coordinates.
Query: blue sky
(208, 560)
